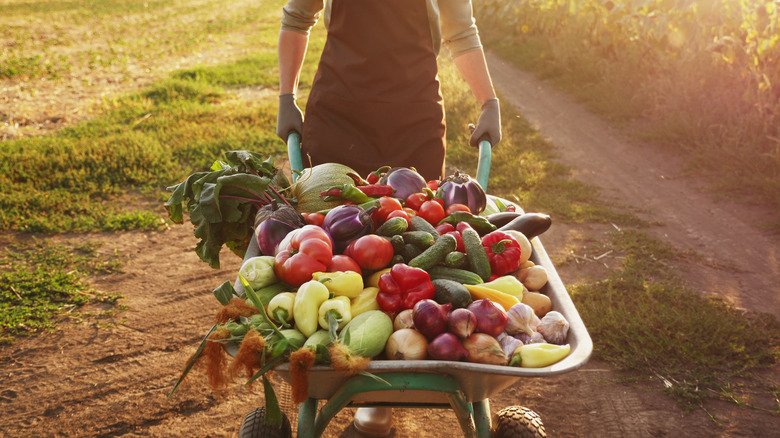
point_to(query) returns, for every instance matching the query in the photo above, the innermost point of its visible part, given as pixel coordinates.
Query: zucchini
(392, 226)
(416, 223)
(435, 253)
(460, 275)
(452, 292)
(530, 224)
(421, 239)
(455, 259)
(475, 253)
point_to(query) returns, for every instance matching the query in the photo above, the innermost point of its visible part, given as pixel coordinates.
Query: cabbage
(367, 333)
(259, 271)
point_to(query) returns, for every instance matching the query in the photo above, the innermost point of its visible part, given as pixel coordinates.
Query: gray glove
(489, 124)
(290, 118)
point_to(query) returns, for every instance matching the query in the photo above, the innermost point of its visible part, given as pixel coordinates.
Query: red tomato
(340, 262)
(459, 239)
(457, 207)
(415, 200)
(433, 185)
(431, 211)
(399, 213)
(314, 218)
(445, 228)
(387, 204)
(410, 212)
(371, 251)
(302, 253)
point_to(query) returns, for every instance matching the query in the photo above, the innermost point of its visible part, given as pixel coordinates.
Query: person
(375, 99)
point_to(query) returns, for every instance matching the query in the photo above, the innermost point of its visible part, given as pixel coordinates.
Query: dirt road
(85, 382)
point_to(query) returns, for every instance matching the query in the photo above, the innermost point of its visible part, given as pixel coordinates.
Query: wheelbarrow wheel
(518, 422)
(254, 426)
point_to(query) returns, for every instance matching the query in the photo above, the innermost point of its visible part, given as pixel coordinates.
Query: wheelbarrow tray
(476, 381)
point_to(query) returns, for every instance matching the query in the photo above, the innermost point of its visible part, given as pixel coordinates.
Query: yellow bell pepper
(308, 300)
(280, 308)
(373, 279)
(509, 284)
(504, 300)
(341, 283)
(365, 301)
(538, 355)
(339, 307)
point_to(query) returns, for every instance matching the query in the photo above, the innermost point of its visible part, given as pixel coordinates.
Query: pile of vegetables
(390, 267)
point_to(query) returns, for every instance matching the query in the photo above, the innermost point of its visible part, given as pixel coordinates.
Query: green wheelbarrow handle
(483, 165)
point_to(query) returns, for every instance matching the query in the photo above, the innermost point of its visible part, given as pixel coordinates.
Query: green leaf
(273, 413)
(194, 359)
(224, 293)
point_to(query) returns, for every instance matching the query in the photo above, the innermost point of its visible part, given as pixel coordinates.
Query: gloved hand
(489, 124)
(289, 118)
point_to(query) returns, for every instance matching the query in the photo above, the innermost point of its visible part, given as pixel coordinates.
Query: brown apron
(375, 99)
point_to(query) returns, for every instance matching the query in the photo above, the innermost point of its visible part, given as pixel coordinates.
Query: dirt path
(86, 382)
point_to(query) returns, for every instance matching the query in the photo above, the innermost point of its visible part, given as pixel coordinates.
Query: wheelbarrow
(461, 386)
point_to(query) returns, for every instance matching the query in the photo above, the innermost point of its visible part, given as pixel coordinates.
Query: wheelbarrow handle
(294, 154)
(483, 165)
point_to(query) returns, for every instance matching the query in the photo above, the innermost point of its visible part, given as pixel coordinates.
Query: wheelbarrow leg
(482, 418)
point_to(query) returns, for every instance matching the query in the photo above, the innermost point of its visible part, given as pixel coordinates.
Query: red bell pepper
(302, 253)
(503, 252)
(403, 287)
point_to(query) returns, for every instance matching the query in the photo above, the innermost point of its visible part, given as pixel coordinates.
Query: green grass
(42, 283)
(644, 321)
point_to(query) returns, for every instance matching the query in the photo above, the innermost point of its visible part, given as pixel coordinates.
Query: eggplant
(530, 224)
(502, 218)
(460, 188)
(346, 223)
(270, 234)
(405, 181)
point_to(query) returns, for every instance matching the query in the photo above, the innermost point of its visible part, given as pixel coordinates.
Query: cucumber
(455, 259)
(421, 239)
(475, 253)
(435, 253)
(416, 223)
(452, 292)
(460, 275)
(397, 241)
(409, 252)
(392, 226)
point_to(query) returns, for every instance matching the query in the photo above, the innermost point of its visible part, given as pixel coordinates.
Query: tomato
(457, 207)
(371, 251)
(432, 211)
(433, 185)
(340, 262)
(410, 212)
(314, 218)
(415, 200)
(445, 228)
(399, 213)
(303, 252)
(458, 239)
(387, 204)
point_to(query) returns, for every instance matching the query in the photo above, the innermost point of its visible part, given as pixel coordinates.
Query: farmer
(375, 99)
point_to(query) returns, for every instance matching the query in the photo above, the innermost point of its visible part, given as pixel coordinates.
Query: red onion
(462, 322)
(430, 317)
(447, 346)
(491, 317)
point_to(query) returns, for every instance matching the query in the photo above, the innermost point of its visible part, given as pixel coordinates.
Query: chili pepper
(339, 307)
(374, 176)
(365, 301)
(377, 190)
(345, 192)
(403, 287)
(480, 223)
(503, 252)
(281, 306)
(508, 284)
(341, 283)
(308, 300)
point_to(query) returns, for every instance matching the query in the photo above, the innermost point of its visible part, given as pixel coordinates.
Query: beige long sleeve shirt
(451, 21)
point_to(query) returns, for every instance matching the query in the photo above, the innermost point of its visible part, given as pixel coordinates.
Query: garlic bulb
(534, 338)
(554, 327)
(521, 319)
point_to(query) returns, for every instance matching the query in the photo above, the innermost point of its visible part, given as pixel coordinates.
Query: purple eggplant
(346, 223)
(270, 234)
(404, 180)
(460, 188)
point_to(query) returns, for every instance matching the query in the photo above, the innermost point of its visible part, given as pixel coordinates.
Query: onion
(521, 319)
(462, 322)
(447, 346)
(406, 344)
(405, 181)
(403, 320)
(484, 348)
(491, 317)
(430, 317)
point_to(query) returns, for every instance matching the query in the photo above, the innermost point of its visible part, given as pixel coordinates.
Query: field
(105, 104)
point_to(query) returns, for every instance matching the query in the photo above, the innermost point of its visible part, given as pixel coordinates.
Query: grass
(42, 283)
